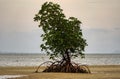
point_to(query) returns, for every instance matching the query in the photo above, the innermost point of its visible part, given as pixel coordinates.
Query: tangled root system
(60, 66)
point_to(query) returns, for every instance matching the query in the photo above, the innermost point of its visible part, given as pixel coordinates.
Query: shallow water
(36, 59)
(10, 76)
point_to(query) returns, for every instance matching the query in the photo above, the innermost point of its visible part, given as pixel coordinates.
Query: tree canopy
(61, 35)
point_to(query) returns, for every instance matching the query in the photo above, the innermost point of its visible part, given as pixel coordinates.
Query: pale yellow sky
(100, 18)
(93, 13)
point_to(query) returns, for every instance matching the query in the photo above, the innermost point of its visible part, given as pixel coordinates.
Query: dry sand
(98, 72)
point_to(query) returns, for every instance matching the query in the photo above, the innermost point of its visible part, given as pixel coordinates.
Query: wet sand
(98, 72)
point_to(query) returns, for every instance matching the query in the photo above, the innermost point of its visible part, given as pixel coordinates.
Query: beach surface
(98, 72)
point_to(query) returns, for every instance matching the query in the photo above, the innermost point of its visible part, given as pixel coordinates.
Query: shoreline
(98, 72)
(10, 76)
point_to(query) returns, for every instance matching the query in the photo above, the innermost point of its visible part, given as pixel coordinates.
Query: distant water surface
(36, 59)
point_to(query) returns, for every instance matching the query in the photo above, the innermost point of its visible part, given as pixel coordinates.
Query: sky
(100, 24)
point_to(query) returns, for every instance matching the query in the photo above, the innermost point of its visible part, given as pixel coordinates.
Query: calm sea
(36, 59)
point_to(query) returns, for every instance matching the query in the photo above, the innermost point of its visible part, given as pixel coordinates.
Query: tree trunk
(68, 56)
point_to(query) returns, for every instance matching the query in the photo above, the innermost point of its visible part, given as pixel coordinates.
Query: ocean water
(36, 59)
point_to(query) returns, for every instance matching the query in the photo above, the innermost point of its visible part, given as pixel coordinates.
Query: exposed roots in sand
(62, 66)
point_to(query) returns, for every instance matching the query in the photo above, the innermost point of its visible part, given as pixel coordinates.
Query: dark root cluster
(60, 66)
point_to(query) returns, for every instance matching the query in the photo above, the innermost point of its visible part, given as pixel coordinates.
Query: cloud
(22, 42)
(101, 40)
(117, 28)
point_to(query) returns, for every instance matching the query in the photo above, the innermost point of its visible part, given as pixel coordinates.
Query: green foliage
(60, 33)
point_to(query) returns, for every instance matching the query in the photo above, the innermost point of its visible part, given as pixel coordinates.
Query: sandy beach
(98, 72)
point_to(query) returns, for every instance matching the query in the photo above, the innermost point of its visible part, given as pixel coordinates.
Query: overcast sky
(101, 24)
